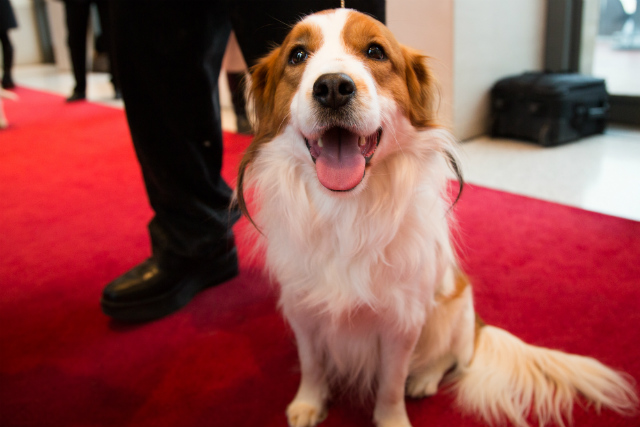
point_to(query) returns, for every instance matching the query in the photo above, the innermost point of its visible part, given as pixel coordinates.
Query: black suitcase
(548, 108)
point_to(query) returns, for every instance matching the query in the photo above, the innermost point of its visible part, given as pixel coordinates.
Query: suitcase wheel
(543, 135)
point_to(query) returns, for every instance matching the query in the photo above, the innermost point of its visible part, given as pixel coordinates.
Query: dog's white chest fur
(351, 269)
(379, 249)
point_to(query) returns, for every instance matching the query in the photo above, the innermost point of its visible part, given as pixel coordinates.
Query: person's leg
(77, 17)
(169, 55)
(236, 82)
(7, 60)
(236, 69)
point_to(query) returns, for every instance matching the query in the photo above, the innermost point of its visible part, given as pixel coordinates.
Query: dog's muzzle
(340, 152)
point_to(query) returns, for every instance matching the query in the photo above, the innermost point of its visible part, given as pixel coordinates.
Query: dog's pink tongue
(340, 165)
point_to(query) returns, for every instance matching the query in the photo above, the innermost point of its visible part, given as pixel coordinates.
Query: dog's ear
(423, 91)
(261, 91)
(422, 88)
(260, 104)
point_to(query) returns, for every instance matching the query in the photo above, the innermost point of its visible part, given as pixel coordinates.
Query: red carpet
(73, 216)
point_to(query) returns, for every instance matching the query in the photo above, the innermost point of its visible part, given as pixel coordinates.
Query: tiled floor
(600, 173)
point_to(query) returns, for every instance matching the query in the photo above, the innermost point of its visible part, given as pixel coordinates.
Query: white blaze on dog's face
(340, 81)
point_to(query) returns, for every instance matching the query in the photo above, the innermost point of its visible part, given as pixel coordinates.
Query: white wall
(58, 28)
(25, 38)
(492, 39)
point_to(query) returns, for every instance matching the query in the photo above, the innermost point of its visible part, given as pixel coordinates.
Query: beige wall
(492, 39)
(25, 38)
(58, 27)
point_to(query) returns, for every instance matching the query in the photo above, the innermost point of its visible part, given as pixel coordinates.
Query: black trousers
(169, 55)
(7, 54)
(77, 18)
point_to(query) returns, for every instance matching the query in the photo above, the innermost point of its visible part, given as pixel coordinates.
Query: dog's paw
(302, 414)
(423, 386)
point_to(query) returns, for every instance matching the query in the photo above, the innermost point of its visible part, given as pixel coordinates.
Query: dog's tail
(510, 379)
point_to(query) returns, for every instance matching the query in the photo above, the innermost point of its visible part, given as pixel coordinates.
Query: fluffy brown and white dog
(348, 175)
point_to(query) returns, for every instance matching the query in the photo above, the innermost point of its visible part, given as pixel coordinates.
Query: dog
(348, 180)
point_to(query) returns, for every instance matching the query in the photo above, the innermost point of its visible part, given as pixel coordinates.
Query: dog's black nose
(334, 90)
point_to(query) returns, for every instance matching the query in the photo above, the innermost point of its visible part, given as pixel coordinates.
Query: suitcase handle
(598, 112)
(582, 114)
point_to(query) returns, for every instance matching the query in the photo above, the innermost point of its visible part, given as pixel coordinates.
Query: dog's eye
(298, 56)
(376, 52)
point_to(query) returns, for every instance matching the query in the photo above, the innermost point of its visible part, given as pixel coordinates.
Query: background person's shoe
(243, 125)
(77, 96)
(162, 285)
(7, 82)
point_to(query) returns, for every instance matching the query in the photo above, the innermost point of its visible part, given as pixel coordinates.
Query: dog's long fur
(369, 281)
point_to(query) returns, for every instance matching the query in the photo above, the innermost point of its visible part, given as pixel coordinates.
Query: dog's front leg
(308, 407)
(396, 349)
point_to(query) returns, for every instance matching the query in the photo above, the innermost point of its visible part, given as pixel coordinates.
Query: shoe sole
(165, 304)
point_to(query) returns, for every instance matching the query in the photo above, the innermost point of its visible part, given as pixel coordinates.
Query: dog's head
(339, 83)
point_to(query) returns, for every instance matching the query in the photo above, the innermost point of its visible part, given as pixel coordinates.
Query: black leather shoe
(161, 285)
(7, 82)
(77, 96)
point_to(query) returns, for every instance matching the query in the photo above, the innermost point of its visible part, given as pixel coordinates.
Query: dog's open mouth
(341, 157)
